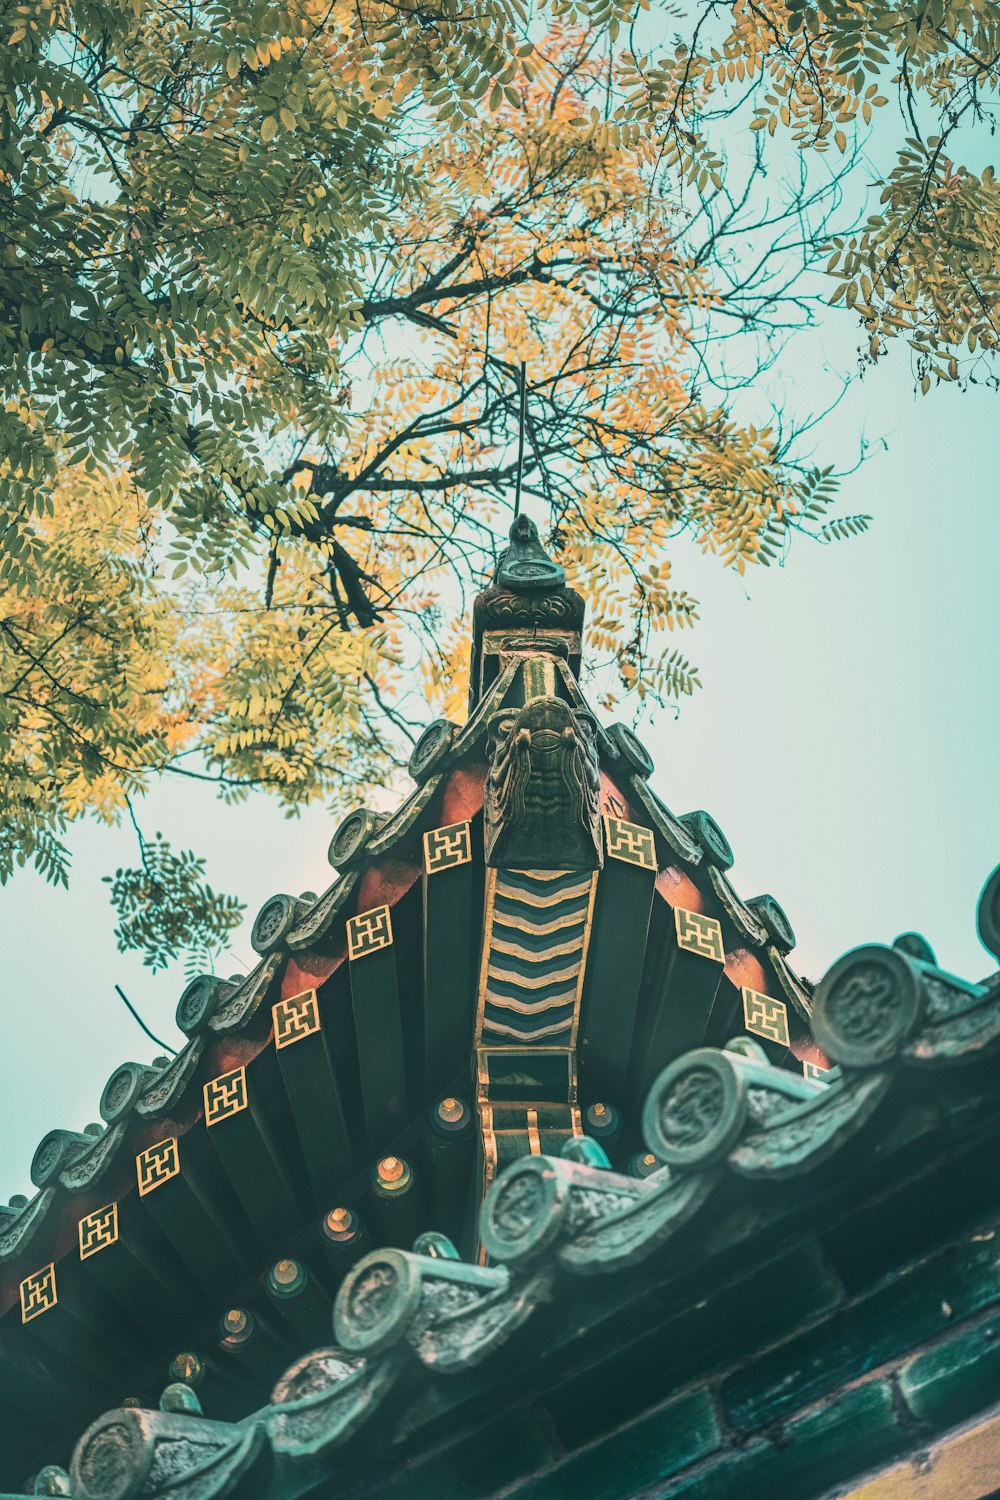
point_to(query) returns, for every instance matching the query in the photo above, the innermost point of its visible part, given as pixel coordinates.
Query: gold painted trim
(539, 982)
(104, 1241)
(537, 902)
(147, 1186)
(499, 1028)
(584, 952)
(44, 1277)
(541, 929)
(484, 960)
(214, 1113)
(766, 1016)
(560, 950)
(551, 1051)
(434, 863)
(527, 1007)
(282, 1039)
(618, 843)
(376, 920)
(486, 1050)
(489, 1143)
(713, 931)
(513, 1040)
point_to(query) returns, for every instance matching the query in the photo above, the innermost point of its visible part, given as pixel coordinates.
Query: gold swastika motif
(368, 932)
(38, 1293)
(813, 1070)
(157, 1164)
(225, 1095)
(446, 847)
(699, 934)
(98, 1230)
(765, 1016)
(295, 1018)
(629, 842)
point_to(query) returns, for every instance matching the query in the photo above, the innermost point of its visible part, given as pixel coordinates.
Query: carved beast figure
(543, 789)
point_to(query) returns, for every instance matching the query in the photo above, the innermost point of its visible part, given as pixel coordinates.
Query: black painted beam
(613, 980)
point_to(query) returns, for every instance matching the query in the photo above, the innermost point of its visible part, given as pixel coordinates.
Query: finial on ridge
(525, 566)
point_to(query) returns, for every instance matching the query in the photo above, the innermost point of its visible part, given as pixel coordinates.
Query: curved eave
(622, 1236)
(315, 949)
(371, 1084)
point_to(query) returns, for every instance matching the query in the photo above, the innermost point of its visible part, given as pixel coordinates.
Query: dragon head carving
(543, 788)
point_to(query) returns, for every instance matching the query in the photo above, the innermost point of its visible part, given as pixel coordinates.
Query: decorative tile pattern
(765, 1016)
(157, 1164)
(368, 932)
(295, 1018)
(538, 932)
(98, 1230)
(38, 1293)
(629, 842)
(444, 848)
(699, 934)
(225, 1095)
(813, 1070)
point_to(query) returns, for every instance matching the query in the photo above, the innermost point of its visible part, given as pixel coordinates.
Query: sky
(844, 738)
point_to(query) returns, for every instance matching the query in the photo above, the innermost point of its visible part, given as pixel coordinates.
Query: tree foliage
(166, 909)
(272, 276)
(923, 264)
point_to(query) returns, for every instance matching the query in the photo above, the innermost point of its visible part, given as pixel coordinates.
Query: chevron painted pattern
(537, 948)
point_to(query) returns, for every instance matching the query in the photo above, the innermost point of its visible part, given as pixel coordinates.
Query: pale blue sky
(845, 739)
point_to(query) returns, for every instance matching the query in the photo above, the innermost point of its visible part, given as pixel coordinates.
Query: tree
(918, 256)
(272, 281)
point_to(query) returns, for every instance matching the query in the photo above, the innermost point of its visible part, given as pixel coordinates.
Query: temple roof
(759, 1169)
(533, 953)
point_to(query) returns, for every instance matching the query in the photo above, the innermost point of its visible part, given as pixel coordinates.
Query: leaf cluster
(924, 267)
(269, 276)
(165, 908)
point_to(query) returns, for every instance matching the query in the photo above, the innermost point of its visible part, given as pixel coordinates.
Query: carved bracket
(450, 1313)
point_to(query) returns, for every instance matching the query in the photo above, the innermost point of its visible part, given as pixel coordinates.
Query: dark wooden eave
(394, 1035)
(532, 886)
(606, 1294)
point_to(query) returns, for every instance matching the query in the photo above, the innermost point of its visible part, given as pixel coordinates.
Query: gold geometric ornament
(157, 1164)
(38, 1292)
(699, 934)
(765, 1016)
(98, 1230)
(444, 848)
(629, 842)
(225, 1095)
(295, 1018)
(368, 932)
(813, 1070)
